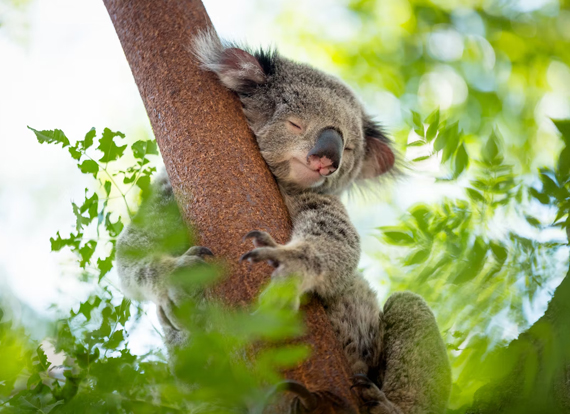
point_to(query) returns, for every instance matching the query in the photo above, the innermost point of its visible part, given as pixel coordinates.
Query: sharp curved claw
(247, 256)
(306, 398)
(252, 234)
(320, 401)
(204, 251)
(199, 251)
(361, 380)
(260, 238)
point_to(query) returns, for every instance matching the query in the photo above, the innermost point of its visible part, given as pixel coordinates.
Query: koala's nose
(325, 155)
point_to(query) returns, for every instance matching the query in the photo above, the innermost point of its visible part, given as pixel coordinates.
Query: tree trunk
(536, 366)
(221, 183)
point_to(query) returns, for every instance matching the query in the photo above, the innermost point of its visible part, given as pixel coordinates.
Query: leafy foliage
(216, 372)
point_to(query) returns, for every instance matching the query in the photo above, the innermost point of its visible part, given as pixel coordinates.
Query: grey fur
(287, 105)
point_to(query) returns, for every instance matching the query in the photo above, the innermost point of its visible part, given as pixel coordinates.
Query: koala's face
(311, 130)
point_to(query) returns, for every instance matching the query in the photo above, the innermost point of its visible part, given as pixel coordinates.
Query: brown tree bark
(222, 185)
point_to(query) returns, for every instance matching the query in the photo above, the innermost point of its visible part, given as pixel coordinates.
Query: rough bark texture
(536, 365)
(222, 184)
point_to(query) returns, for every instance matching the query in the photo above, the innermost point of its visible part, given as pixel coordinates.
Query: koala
(317, 140)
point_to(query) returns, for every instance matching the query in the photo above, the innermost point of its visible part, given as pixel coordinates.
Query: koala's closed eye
(294, 126)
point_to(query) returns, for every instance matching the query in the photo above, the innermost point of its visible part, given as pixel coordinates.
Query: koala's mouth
(310, 173)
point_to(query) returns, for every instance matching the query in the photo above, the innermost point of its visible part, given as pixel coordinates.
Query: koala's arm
(324, 248)
(154, 244)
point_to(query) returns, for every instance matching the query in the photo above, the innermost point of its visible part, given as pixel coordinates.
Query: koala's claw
(261, 254)
(260, 238)
(361, 381)
(372, 400)
(199, 251)
(317, 402)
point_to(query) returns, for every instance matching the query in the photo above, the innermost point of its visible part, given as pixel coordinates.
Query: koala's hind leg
(416, 374)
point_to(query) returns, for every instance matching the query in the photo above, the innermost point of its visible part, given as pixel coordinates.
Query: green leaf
(115, 339)
(499, 251)
(475, 262)
(475, 195)
(461, 161)
(80, 220)
(89, 167)
(564, 163)
(75, 153)
(449, 142)
(123, 311)
(144, 183)
(549, 186)
(143, 148)
(72, 241)
(88, 140)
(398, 238)
(46, 409)
(431, 132)
(111, 151)
(417, 120)
(490, 151)
(419, 256)
(424, 157)
(113, 228)
(543, 198)
(86, 252)
(433, 117)
(532, 221)
(564, 128)
(51, 137)
(433, 121)
(107, 187)
(85, 308)
(104, 266)
(417, 143)
(43, 363)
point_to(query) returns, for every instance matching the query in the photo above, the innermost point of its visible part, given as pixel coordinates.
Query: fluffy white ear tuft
(239, 70)
(379, 157)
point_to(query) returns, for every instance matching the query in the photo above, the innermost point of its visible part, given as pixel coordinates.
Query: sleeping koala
(317, 141)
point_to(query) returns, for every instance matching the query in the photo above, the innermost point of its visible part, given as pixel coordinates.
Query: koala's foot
(172, 296)
(371, 399)
(317, 402)
(289, 259)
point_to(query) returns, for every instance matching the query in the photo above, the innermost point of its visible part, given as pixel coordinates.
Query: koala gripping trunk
(221, 183)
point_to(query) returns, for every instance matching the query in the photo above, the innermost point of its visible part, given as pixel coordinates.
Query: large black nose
(329, 144)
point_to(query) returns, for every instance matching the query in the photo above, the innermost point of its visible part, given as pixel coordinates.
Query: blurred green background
(475, 221)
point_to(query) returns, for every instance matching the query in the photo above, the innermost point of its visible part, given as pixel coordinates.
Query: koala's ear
(379, 157)
(238, 69)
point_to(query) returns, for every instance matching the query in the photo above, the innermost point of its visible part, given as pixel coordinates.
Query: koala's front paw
(371, 399)
(289, 259)
(173, 295)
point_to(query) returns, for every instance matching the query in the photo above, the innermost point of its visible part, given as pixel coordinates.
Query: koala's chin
(303, 176)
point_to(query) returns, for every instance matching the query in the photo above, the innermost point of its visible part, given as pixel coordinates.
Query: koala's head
(311, 129)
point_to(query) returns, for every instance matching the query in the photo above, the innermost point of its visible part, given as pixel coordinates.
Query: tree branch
(221, 183)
